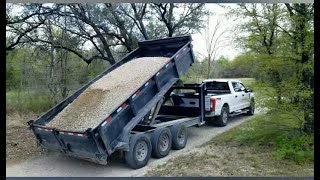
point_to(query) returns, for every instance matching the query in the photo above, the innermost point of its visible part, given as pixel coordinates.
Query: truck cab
(223, 98)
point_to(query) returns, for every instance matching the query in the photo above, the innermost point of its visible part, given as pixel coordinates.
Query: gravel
(106, 94)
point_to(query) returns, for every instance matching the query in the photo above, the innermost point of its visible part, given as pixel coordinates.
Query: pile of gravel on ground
(106, 94)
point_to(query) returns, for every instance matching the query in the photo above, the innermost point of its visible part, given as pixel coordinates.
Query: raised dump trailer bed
(131, 128)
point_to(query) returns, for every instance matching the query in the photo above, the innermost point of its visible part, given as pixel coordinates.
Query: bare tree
(189, 19)
(18, 27)
(215, 41)
(139, 14)
(108, 29)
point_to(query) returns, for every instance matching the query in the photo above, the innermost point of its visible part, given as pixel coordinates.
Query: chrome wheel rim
(141, 150)
(164, 142)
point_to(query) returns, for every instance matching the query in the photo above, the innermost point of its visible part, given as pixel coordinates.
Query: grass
(25, 102)
(277, 131)
(268, 145)
(222, 160)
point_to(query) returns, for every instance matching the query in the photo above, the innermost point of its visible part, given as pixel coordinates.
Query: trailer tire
(139, 151)
(179, 136)
(161, 140)
(222, 120)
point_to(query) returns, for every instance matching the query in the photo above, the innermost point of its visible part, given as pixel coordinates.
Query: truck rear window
(218, 86)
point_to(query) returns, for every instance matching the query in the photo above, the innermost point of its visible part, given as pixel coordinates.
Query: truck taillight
(212, 104)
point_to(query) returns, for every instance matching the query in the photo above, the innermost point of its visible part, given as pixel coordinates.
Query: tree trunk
(209, 67)
(139, 18)
(51, 82)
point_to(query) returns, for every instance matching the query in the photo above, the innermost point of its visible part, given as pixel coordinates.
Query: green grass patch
(278, 131)
(23, 102)
(296, 148)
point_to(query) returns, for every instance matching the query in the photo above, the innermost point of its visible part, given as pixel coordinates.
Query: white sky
(199, 42)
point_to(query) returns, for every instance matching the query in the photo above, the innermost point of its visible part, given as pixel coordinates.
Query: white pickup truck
(224, 98)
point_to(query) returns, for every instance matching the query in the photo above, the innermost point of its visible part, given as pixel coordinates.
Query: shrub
(298, 148)
(279, 132)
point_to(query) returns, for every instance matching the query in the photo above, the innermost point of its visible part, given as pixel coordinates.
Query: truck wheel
(251, 108)
(161, 140)
(139, 151)
(179, 136)
(222, 120)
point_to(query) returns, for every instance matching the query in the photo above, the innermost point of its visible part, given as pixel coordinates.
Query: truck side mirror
(247, 90)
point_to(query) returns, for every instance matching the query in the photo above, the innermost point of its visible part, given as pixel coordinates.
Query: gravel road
(57, 165)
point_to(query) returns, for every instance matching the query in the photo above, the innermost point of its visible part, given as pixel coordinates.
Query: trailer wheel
(222, 120)
(139, 151)
(179, 136)
(161, 140)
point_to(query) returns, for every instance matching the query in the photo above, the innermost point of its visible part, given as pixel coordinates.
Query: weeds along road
(56, 164)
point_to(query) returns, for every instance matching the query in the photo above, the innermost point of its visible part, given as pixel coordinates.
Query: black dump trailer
(147, 123)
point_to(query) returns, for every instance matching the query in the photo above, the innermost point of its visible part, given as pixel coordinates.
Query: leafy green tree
(280, 37)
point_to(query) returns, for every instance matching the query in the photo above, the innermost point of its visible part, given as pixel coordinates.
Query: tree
(189, 20)
(263, 25)
(106, 28)
(18, 27)
(281, 36)
(302, 37)
(215, 42)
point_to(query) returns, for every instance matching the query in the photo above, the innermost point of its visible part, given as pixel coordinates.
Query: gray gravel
(58, 165)
(107, 94)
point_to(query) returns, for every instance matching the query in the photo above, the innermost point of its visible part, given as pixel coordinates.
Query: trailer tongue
(130, 127)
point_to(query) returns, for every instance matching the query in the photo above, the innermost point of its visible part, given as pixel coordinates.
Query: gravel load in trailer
(106, 94)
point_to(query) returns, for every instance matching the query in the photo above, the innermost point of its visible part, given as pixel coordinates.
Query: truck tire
(251, 108)
(161, 140)
(139, 151)
(179, 136)
(222, 120)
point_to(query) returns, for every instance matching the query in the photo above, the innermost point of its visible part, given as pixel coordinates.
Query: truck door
(237, 99)
(245, 96)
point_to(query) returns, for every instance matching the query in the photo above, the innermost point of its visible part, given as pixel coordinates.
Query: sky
(199, 42)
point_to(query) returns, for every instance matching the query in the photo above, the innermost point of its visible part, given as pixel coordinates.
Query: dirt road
(57, 165)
